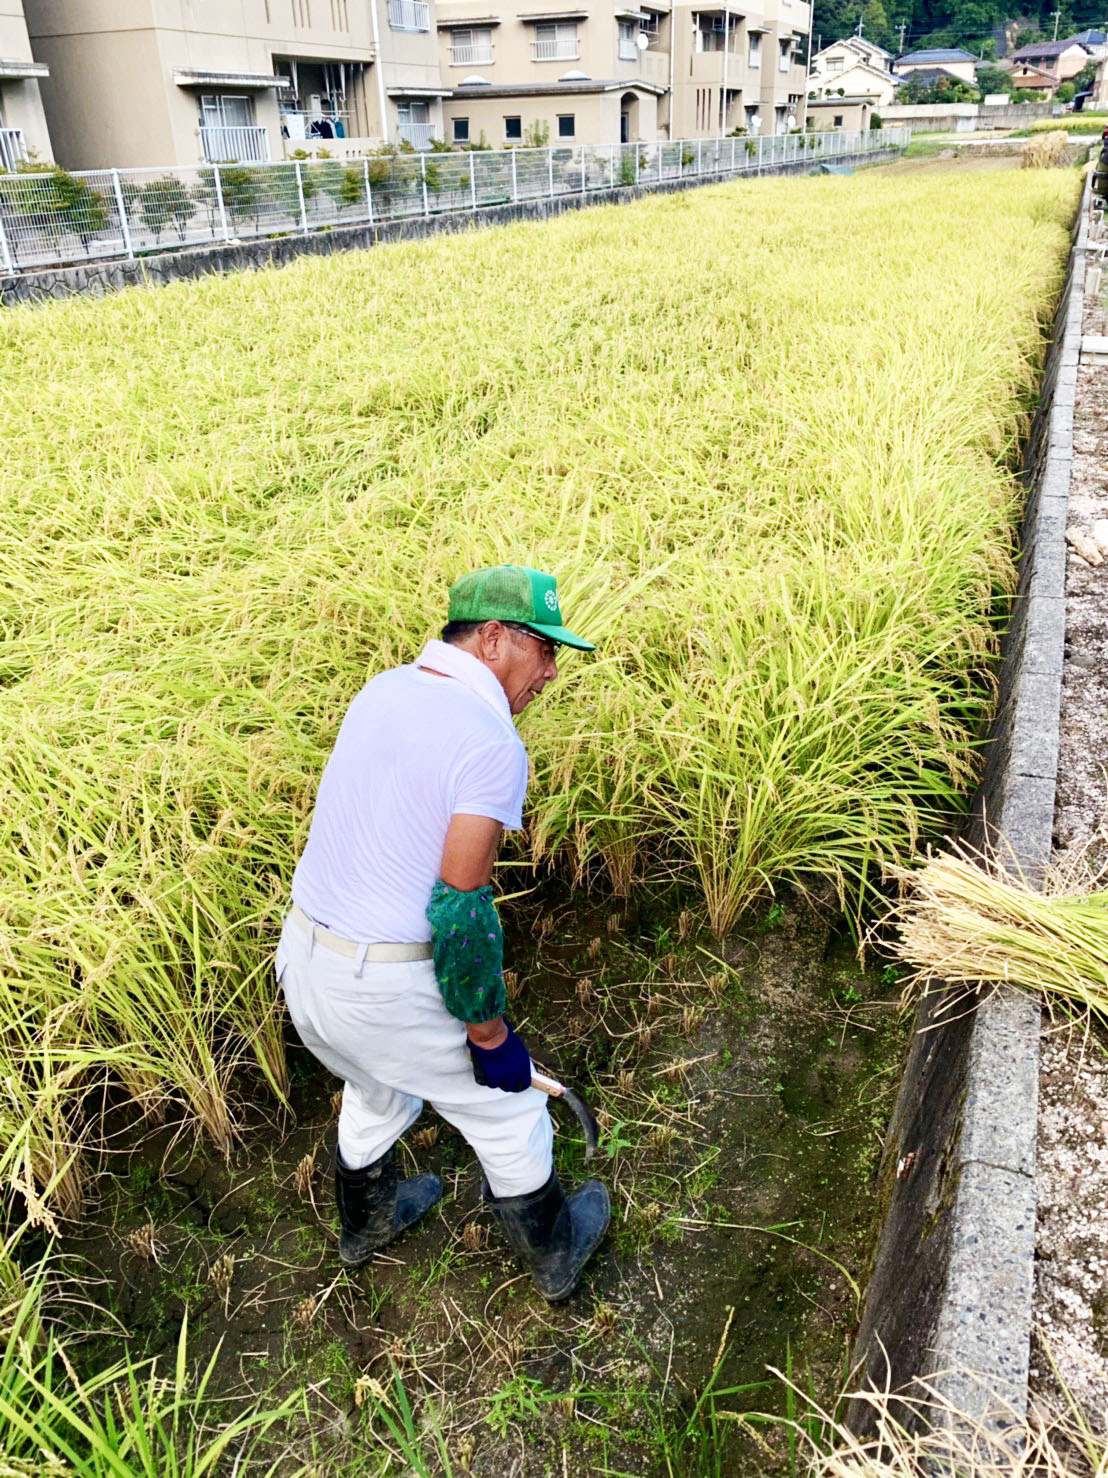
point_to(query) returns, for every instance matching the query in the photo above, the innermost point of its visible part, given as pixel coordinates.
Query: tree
(994, 79)
(1065, 93)
(59, 202)
(163, 201)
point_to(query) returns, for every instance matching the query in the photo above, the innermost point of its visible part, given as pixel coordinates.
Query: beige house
(856, 68)
(851, 114)
(152, 82)
(952, 60)
(1054, 61)
(23, 131)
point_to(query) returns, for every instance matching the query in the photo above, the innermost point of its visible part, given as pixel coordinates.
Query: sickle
(585, 1116)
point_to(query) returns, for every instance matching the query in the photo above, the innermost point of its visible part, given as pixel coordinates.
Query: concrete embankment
(949, 1296)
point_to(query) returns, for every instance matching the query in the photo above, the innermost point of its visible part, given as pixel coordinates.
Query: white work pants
(386, 1033)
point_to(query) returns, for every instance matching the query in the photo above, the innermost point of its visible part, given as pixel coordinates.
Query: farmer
(391, 955)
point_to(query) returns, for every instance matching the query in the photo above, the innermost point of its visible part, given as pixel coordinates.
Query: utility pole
(1057, 14)
(861, 20)
(902, 27)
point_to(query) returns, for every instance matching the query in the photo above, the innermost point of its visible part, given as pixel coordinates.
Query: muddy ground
(743, 1093)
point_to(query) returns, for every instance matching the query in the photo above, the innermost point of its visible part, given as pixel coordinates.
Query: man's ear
(492, 639)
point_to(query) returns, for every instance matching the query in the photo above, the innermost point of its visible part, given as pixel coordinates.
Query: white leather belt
(379, 954)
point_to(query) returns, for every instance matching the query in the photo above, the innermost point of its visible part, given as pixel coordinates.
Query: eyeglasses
(550, 648)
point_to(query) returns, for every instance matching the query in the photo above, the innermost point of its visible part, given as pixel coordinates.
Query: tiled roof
(1043, 48)
(938, 55)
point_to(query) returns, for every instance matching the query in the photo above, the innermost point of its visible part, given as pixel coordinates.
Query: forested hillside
(969, 23)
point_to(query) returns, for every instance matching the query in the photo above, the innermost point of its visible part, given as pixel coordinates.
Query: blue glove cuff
(507, 1066)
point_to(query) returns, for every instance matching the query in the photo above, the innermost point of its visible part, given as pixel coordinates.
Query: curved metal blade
(585, 1116)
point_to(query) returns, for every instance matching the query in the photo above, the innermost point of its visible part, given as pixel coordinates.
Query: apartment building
(588, 73)
(152, 82)
(739, 70)
(596, 73)
(146, 83)
(23, 131)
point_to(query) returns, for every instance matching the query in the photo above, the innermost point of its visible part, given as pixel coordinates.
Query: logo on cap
(551, 600)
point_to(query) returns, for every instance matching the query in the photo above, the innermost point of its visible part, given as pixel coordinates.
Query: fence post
(368, 192)
(121, 206)
(423, 182)
(300, 197)
(219, 202)
(472, 180)
(550, 169)
(5, 254)
(515, 181)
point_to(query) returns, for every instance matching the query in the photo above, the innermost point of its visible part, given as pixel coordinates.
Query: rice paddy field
(767, 436)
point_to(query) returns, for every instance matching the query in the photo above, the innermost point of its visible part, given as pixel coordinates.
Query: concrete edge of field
(97, 278)
(949, 1297)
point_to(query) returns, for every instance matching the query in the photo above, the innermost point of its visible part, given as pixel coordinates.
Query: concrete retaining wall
(963, 117)
(951, 1286)
(94, 279)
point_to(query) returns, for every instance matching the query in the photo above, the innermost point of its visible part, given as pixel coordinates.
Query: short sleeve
(492, 781)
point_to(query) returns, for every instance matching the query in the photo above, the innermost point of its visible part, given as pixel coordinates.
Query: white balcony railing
(554, 51)
(628, 49)
(409, 15)
(419, 135)
(13, 151)
(235, 144)
(471, 56)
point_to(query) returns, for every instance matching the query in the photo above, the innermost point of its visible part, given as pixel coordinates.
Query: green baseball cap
(514, 593)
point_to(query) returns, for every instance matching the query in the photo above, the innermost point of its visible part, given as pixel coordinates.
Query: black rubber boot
(374, 1206)
(554, 1235)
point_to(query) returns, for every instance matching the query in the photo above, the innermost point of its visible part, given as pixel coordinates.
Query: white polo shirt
(414, 750)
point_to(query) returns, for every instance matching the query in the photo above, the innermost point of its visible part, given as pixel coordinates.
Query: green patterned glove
(468, 945)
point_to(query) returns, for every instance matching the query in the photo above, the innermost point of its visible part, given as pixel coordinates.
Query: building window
(754, 55)
(708, 35)
(470, 46)
(834, 64)
(628, 45)
(223, 110)
(513, 127)
(413, 125)
(837, 121)
(461, 130)
(567, 126)
(555, 41)
(783, 55)
(409, 15)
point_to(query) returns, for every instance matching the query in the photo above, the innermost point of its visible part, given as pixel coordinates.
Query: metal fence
(51, 217)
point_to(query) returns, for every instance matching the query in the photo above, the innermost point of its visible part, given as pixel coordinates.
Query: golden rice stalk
(965, 920)
(1046, 151)
(928, 1433)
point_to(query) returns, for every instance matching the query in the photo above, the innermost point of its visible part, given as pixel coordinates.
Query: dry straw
(968, 921)
(765, 434)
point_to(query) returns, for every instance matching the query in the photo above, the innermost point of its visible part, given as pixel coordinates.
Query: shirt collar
(457, 663)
